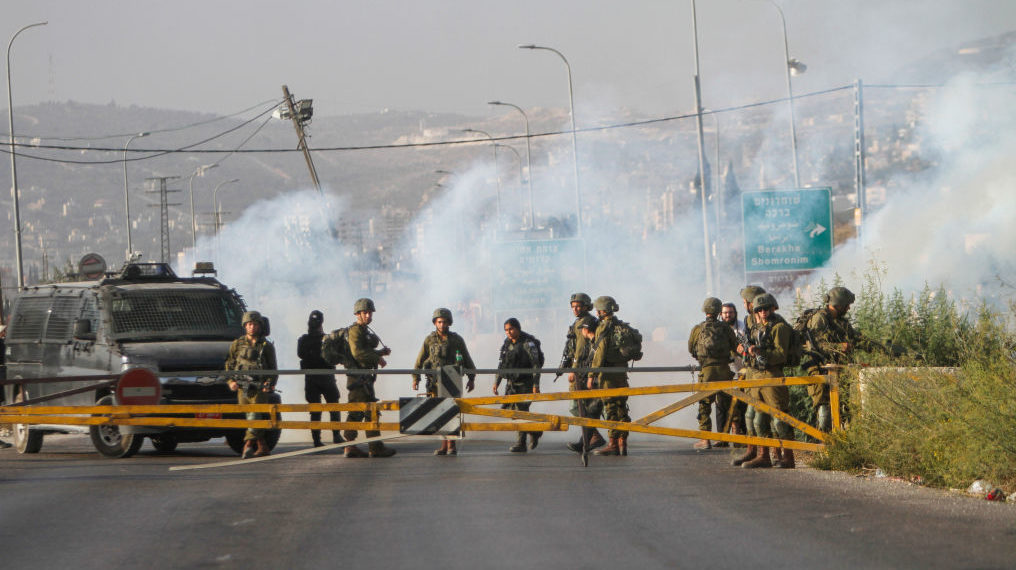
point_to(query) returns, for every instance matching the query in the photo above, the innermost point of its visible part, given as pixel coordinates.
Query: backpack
(628, 340)
(712, 343)
(335, 348)
(799, 336)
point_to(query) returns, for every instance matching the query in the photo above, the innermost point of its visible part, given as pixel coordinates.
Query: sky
(455, 55)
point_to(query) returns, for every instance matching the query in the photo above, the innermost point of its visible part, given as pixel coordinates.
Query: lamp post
(529, 157)
(701, 158)
(575, 146)
(14, 169)
(792, 67)
(200, 171)
(497, 171)
(218, 206)
(518, 157)
(126, 194)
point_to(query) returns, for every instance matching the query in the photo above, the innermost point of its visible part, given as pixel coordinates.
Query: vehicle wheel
(234, 439)
(164, 443)
(26, 438)
(108, 440)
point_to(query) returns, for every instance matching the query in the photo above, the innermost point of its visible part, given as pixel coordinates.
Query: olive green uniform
(437, 352)
(714, 369)
(772, 339)
(577, 350)
(606, 355)
(259, 355)
(827, 333)
(363, 345)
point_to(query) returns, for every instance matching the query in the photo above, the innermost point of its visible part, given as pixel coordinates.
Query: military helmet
(606, 303)
(364, 304)
(764, 301)
(315, 318)
(252, 317)
(838, 297)
(750, 292)
(442, 313)
(712, 306)
(582, 298)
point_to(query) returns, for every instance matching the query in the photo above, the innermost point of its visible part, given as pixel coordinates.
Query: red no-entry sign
(138, 387)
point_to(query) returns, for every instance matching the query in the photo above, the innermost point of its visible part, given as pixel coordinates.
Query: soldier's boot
(749, 453)
(786, 460)
(379, 449)
(452, 450)
(622, 445)
(823, 419)
(315, 435)
(262, 448)
(595, 440)
(703, 444)
(355, 452)
(349, 435)
(534, 439)
(736, 430)
(248, 449)
(761, 459)
(611, 449)
(443, 450)
(520, 443)
(337, 436)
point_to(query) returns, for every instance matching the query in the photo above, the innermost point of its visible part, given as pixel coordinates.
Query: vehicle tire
(26, 438)
(164, 443)
(234, 439)
(108, 440)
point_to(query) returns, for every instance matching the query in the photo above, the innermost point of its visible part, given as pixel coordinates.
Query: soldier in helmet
(363, 346)
(605, 355)
(831, 337)
(748, 295)
(712, 343)
(770, 345)
(443, 347)
(317, 386)
(520, 350)
(253, 351)
(576, 347)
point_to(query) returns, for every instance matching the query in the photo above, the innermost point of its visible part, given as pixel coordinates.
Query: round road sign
(92, 266)
(138, 387)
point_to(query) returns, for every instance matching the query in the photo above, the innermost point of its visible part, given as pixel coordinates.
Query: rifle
(251, 385)
(566, 354)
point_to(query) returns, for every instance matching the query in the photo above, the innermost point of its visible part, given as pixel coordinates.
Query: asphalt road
(663, 506)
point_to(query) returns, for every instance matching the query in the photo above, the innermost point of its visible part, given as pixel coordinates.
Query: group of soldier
(757, 347)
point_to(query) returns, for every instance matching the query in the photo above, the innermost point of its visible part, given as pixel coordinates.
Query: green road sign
(787, 230)
(535, 274)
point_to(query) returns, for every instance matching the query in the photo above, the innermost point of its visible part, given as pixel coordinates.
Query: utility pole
(301, 112)
(164, 205)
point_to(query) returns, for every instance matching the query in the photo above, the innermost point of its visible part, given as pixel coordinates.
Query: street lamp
(792, 67)
(497, 171)
(218, 206)
(200, 171)
(126, 194)
(529, 157)
(707, 243)
(518, 157)
(14, 169)
(575, 146)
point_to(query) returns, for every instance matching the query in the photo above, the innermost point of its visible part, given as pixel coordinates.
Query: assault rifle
(251, 385)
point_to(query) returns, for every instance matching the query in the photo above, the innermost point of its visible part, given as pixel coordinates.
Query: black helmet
(838, 297)
(442, 313)
(315, 319)
(364, 304)
(583, 299)
(606, 303)
(712, 306)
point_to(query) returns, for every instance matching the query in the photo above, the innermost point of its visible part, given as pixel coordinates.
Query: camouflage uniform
(713, 370)
(826, 335)
(437, 352)
(773, 341)
(522, 353)
(259, 355)
(577, 348)
(606, 355)
(363, 345)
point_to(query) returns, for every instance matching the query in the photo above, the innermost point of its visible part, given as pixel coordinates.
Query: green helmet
(750, 292)
(364, 304)
(838, 297)
(584, 299)
(606, 303)
(764, 301)
(442, 313)
(252, 317)
(712, 306)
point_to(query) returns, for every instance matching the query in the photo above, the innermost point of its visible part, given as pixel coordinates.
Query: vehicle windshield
(175, 315)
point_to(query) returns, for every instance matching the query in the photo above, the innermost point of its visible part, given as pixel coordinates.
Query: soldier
(363, 346)
(576, 346)
(831, 336)
(443, 347)
(711, 343)
(769, 346)
(520, 350)
(253, 351)
(317, 386)
(748, 295)
(728, 315)
(591, 407)
(607, 354)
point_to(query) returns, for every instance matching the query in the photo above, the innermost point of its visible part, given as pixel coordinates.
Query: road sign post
(138, 387)
(786, 232)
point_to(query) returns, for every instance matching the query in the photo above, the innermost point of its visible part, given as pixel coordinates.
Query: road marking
(306, 451)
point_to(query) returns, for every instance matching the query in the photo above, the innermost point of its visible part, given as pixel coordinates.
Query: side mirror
(83, 329)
